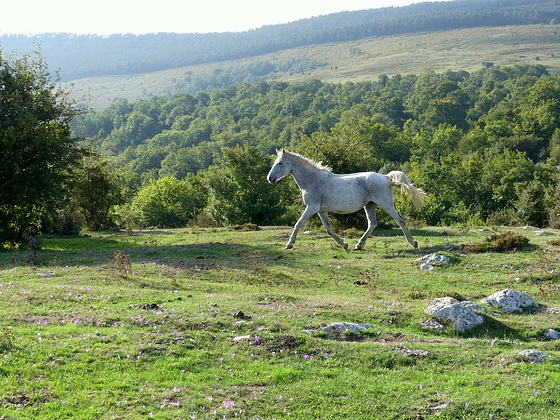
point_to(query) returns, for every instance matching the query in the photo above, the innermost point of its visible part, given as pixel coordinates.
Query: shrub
(167, 202)
(499, 242)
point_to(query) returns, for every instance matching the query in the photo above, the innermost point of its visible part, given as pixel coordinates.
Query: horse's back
(347, 193)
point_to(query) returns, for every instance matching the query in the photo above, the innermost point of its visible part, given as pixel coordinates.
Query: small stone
(239, 314)
(411, 352)
(46, 274)
(434, 258)
(342, 327)
(433, 324)
(542, 232)
(241, 338)
(551, 334)
(534, 356)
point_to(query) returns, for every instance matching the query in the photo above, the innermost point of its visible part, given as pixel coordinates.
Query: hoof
(289, 246)
(358, 247)
(345, 246)
(414, 244)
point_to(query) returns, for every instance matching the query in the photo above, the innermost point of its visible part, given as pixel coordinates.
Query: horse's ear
(280, 152)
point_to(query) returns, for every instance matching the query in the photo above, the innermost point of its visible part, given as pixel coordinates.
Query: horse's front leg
(327, 224)
(307, 213)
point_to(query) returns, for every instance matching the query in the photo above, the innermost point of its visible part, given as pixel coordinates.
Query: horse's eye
(279, 163)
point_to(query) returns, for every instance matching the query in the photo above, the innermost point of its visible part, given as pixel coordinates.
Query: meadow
(211, 323)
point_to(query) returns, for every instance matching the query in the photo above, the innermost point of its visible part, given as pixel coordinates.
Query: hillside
(80, 56)
(365, 59)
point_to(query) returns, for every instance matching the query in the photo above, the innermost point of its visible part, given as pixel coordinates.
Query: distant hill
(360, 60)
(79, 57)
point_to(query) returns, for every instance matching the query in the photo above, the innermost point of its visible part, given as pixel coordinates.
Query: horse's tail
(399, 178)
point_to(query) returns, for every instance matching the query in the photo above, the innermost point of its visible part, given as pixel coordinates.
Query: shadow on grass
(494, 329)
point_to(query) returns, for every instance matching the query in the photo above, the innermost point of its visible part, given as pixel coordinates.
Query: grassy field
(116, 325)
(366, 59)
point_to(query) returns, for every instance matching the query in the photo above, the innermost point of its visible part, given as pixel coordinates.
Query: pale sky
(105, 17)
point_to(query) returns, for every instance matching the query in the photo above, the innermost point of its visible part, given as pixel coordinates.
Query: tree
(239, 193)
(168, 202)
(38, 150)
(97, 192)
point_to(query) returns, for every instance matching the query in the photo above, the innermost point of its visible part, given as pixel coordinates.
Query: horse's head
(281, 167)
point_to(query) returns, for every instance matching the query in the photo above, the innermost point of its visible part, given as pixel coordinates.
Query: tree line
(484, 145)
(132, 54)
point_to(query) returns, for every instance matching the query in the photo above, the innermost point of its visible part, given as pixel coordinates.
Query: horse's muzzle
(271, 180)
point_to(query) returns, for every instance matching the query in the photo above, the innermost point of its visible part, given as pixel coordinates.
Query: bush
(499, 242)
(166, 203)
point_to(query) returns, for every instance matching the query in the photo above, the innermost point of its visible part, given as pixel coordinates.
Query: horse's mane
(317, 165)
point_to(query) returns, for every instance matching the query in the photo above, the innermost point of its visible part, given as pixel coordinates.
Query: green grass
(365, 59)
(87, 335)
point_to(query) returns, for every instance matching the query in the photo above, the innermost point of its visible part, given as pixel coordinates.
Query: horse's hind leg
(370, 209)
(400, 220)
(327, 224)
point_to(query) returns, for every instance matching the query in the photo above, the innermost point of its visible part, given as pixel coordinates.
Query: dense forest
(485, 146)
(89, 55)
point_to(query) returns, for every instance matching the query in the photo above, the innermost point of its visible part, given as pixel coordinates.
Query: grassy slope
(463, 49)
(97, 339)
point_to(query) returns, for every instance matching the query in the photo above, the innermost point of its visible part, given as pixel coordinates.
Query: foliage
(97, 192)
(39, 152)
(6, 339)
(487, 158)
(238, 191)
(168, 202)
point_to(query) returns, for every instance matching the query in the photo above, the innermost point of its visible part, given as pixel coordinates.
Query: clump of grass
(122, 262)
(255, 260)
(350, 233)
(497, 242)
(554, 242)
(246, 227)
(6, 339)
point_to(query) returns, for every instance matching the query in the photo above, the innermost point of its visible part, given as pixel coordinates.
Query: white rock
(434, 258)
(241, 338)
(427, 267)
(552, 334)
(405, 351)
(542, 232)
(534, 356)
(46, 274)
(432, 324)
(473, 306)
(341, 327)
(509, 300)
(460, 314)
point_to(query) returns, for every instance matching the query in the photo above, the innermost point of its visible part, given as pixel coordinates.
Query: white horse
(324, 191)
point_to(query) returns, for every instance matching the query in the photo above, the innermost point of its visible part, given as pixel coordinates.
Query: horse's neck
(304, 174)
